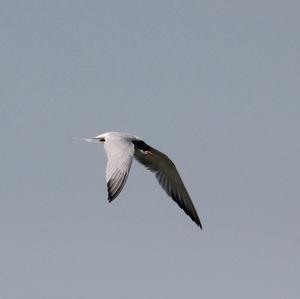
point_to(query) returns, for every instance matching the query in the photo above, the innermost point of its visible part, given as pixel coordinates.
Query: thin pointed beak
(91, 139)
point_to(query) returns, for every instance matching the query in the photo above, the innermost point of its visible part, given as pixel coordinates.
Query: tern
(121, 148)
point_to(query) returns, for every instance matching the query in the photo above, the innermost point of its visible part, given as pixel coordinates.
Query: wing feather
(169, 179)
(116, 184)
(120, 154)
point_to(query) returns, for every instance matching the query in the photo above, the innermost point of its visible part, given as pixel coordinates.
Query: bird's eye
(102, 139)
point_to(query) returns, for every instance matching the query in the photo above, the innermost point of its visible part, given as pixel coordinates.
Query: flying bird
(121, 148)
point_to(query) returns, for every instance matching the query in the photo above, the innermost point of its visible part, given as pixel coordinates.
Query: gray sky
(214, 84)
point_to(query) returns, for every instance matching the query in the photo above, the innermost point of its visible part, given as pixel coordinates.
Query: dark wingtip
(196, 219)
(200, 225)
(110, 197)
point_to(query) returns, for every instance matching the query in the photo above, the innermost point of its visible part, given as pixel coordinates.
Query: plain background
(214, 84)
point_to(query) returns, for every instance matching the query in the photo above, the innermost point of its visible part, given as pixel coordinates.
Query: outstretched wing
(119, 154)
(167, 176)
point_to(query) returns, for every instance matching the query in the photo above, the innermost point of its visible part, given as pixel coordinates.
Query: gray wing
(169, 179)
(119, 154)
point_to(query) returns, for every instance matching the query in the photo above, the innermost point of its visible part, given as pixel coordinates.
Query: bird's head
(99, 138)
(108, 136)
